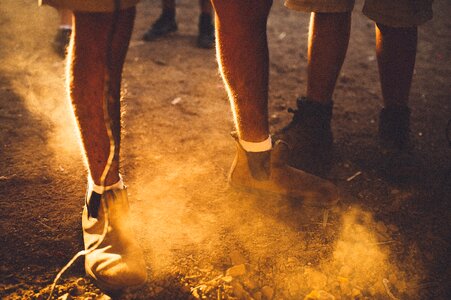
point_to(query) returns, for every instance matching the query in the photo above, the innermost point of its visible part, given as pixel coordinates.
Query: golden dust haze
(184, 214)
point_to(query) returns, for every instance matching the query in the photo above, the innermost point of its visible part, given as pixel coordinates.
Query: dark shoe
(162, 27)
(206, 38)
(309, 136)
(394, 128)
(267, 173)
(400, 165)
(116, 261)
(61, 41)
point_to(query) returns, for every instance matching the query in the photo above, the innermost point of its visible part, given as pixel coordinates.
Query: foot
(162, 27)
(400, 164)
(61, 41)
(268, 172)
(206, 38)
(116, 261)
(394, 128)
(309, 136)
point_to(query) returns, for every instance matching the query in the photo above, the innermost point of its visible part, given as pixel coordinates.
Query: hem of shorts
(313, 8)
(84, 8)
(397, 23)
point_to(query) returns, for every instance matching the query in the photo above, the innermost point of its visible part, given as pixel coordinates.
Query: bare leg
(87, 67)
(242, 52)
(328, 43)
(396, 50)
(168, 5)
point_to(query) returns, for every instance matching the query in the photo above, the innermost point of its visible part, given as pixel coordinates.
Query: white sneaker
(116, 261)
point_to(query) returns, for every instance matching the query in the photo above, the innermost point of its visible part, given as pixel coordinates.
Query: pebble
(356, 294)
(380, 226)
(40, 297)
(65, 297)
(257, 295)
(319, 295)
(268, 292)
(81, 282)
(393, 228)
(77, 290)
(236, 271)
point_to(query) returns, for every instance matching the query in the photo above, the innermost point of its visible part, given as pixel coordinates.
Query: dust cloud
(38, 75)
(188, 220)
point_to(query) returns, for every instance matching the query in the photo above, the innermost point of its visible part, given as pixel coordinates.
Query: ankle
(315, 113)
(168, 14)
(394, 125)
(110, 184)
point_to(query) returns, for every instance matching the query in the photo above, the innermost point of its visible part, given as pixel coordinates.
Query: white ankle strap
(100, 189)
(256, 147)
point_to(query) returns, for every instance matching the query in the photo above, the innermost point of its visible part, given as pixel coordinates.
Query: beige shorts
(395, 13)
(88, 5)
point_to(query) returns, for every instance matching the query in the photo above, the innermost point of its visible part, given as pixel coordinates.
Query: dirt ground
(202, 239)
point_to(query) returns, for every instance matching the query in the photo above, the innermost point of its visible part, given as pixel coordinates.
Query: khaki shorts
(395, 13)
(88, 5)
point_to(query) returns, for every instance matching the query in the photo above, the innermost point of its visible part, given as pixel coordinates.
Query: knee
(240, 14)
(333, 18)
(396, 31)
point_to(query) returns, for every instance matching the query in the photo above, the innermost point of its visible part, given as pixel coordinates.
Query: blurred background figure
(396, 22)
(62, 37)
(166, 24)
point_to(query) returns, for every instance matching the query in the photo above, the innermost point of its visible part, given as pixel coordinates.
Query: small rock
(195, 294)
(81, 282)
(356, 294)
(236, 271)
(319, 295)
(380, 226)
(267, 292)
(394, 191)
(66, 296)
(77, 290)
(257, 295)
(176, 100)
(274, 119)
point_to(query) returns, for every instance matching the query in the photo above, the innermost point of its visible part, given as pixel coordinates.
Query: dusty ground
(201, 239)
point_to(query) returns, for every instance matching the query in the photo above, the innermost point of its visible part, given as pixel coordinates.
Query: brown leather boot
(268, 172)
(117, 262)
